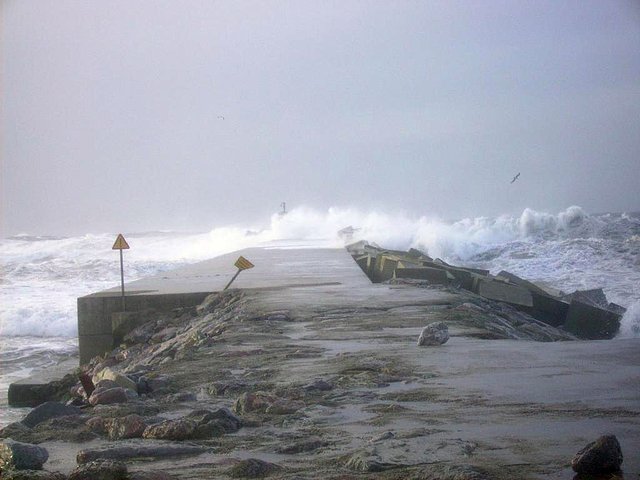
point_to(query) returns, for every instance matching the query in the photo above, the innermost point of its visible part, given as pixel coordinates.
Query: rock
(155, 383)
(105, 384)
(100, 470)
(180, 429)
(71, 428)
(48, 410)
(131, 426)
(105, 397)
(198, 424)
(364, 462)
(182, 397)
(97, 425)
(132, 395)
(150, 475)
(163, 335)
(140, 334)
(382, 437)
(124, 453)
(436, 333)
(264, 403)
(222, 419)
(300, 447)
(21, 456)
(253, 468)
(319, 385)
(31, 475)
(602, 456)
(284, 407)
(121, 380)
(15, 430)
(253, 402)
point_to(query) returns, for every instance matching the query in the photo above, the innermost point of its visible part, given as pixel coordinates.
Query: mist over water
(568, 250)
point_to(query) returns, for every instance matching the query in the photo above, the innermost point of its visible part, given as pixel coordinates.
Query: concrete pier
(275, 268)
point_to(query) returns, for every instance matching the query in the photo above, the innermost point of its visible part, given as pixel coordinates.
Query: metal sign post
(242, 264)
(121, 244)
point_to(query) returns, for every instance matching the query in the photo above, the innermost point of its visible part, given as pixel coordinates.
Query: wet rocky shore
(330, 382)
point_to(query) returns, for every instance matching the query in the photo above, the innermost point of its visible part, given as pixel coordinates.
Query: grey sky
(110, 110)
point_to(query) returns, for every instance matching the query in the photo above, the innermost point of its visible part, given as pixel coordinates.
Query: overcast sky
(140, 115)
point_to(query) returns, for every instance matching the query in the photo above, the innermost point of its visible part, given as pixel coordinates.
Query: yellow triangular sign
(243, 264)
(121, 243)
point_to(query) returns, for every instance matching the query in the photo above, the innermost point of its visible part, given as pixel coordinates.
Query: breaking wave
(43, 276)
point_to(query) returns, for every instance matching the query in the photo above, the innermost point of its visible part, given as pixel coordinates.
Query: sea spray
(630, 323)
(43, 276)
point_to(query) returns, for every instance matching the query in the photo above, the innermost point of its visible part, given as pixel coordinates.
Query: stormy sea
(43, 276)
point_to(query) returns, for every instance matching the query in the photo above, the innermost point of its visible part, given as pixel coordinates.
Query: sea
(42, 276)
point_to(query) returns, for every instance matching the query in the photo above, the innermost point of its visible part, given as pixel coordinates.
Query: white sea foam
(630, 323)
(569, 250)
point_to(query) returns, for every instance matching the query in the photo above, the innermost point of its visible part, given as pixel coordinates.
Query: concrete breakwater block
(432, 275)
(548, 309)
(590, 322)
(595, 297)
(516, 280)
(504, 292)
(43, 386)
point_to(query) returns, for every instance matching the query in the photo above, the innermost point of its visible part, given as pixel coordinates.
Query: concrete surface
(275, 268)
(37, 388)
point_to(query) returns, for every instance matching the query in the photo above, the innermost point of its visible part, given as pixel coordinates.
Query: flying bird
(515, 178)
(220, 117)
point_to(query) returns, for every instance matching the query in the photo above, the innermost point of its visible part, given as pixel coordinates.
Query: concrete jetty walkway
(323, 369)
(275, 269)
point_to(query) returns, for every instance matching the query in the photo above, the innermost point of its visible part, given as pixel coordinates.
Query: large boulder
(157, 451)
(120, 379)
(111, 395)
(602, 456)
(100, 470)
(15, 430)
(436, 333)
(48, 410)
(21, 456)
(180, 429)
(130, 426)
(198, 424)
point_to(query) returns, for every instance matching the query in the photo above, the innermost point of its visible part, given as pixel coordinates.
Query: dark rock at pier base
(32, 475)
(100, 470)
(21, 456)
(47, 411)
(601, 456)
(160, 451)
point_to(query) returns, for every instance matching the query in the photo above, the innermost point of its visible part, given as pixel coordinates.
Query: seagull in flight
(515, 178)
(220, 117)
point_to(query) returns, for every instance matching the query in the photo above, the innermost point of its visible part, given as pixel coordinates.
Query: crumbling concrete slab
(503, 292)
